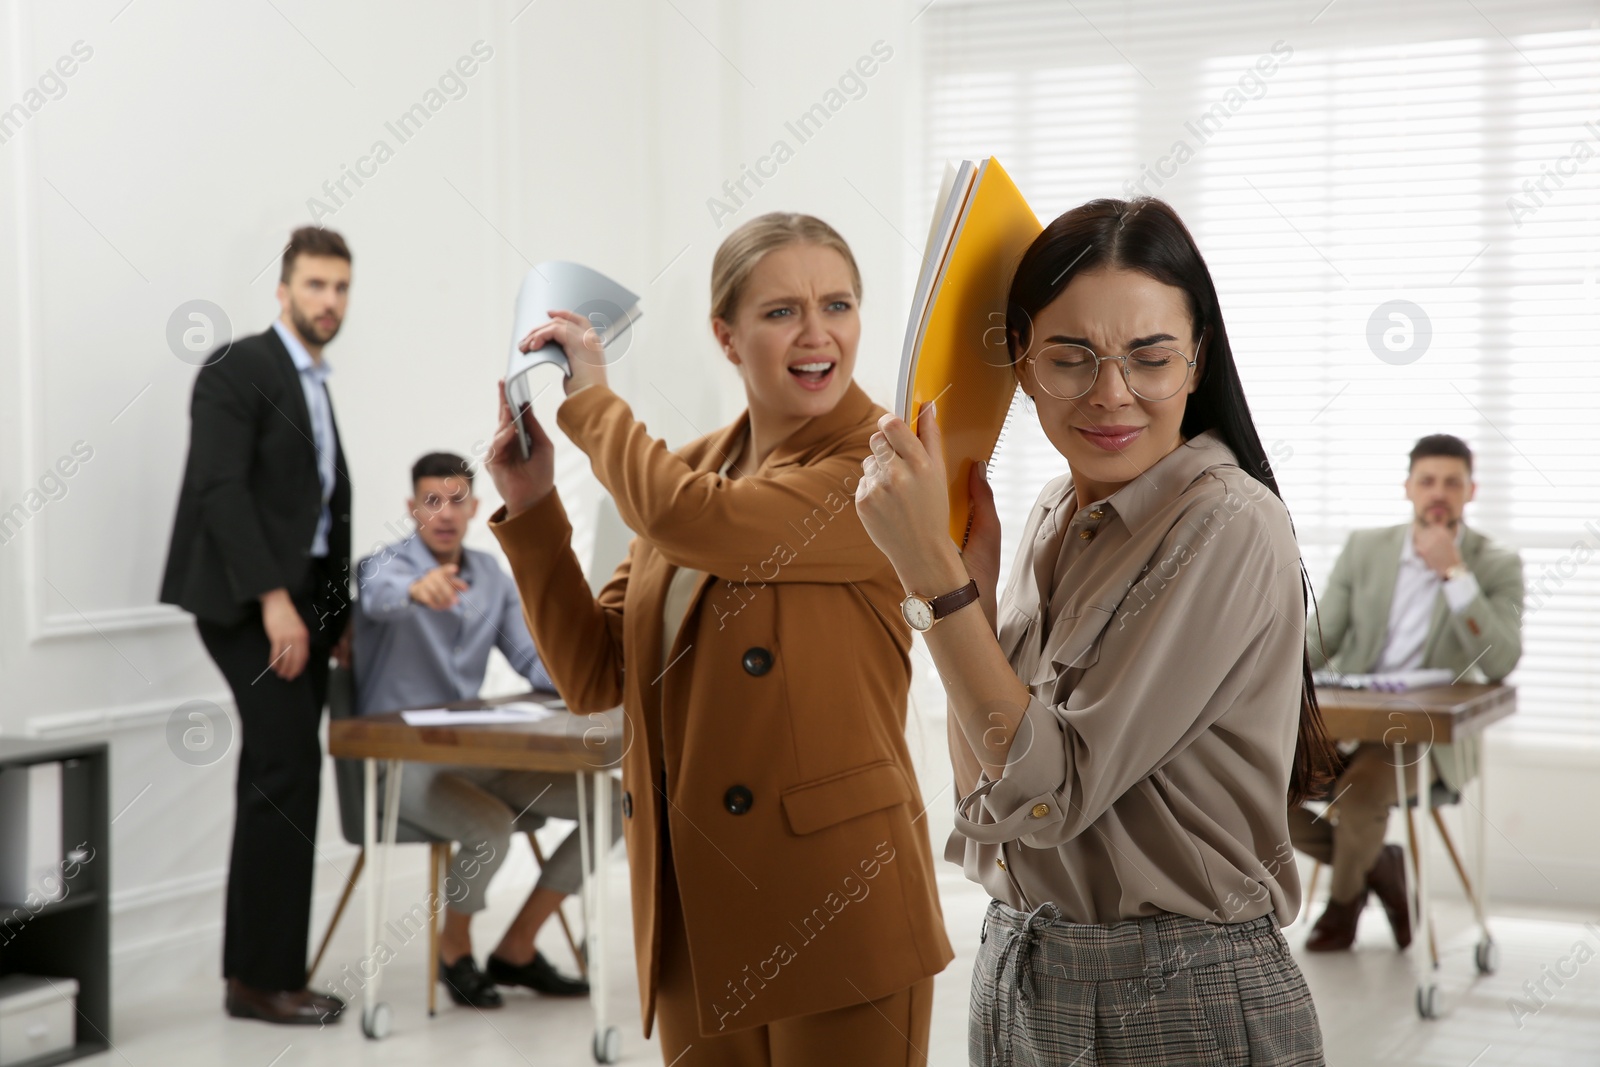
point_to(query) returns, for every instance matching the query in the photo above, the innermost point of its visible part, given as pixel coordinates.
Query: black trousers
(268, 918)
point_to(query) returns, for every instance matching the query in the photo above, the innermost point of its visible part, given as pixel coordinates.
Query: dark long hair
(1146, 235)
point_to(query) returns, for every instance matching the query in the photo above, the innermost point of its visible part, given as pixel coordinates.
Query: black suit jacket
(251, 498)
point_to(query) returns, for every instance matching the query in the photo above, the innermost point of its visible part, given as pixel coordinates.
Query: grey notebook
(569, 287)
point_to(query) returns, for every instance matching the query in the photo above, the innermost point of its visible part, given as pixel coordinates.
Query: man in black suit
(260, 556)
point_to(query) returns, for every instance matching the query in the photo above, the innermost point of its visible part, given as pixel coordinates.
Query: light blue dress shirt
(314, 382)
(407, 655)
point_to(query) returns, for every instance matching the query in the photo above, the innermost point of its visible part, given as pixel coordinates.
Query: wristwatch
(922, 612)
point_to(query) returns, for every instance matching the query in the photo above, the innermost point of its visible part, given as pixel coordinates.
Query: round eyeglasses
(1153, 372)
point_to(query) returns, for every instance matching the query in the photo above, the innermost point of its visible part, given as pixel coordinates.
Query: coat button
(627, 805)
(737, 800)
(757, 661)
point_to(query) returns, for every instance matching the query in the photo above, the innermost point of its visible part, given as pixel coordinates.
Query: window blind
(1402, 216)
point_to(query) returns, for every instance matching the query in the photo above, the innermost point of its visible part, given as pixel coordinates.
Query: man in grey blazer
(1430, 593)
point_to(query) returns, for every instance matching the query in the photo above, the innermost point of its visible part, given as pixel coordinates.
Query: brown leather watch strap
(952, 602)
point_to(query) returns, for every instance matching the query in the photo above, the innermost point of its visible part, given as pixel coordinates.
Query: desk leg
(375, 1016)
(607, 1044)
(369, 847)
(1486, 954)
(1424, 822)
(1416, 898)
(607, 1039)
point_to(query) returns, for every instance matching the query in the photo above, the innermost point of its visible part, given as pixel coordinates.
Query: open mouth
(814, 375)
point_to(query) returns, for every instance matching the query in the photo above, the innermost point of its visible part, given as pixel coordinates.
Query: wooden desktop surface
(1439, 714)
(564, 742)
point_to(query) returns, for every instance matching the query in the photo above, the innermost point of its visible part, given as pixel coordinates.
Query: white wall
(171, 169)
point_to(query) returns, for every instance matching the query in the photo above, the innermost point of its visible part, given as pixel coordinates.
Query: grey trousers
(1163, 990)
(481, 808)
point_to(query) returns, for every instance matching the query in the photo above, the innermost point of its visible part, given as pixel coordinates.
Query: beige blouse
(1160, 632)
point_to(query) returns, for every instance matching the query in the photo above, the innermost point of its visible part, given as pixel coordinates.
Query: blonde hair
(739, 253)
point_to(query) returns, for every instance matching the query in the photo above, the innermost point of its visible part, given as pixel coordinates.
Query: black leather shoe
(469, 986)
(293, 1007)
(538, 975)
(1387, 879)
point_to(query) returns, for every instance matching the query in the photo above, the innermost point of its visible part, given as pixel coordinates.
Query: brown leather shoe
(1336, 930)
(1388, 880)
(299, 1007)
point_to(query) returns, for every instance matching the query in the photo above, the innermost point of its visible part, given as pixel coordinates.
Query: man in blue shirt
(428, 613)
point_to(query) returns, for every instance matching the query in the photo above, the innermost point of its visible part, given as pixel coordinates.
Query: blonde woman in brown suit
(784, 905)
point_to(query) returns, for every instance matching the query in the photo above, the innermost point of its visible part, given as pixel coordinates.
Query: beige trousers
(1349, 835)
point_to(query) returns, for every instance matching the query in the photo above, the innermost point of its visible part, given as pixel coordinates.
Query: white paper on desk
(1389, 682)
(505, 713)
(532, 708)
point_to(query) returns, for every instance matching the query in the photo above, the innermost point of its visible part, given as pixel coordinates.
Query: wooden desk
(588, 746)
(1439, 715)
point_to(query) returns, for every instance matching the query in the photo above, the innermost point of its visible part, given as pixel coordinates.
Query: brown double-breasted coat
(770, 737)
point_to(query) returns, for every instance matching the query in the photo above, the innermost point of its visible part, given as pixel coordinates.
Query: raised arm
(1224, 631)
(1487, 618)
(383, 586)
(794, 524)
(579, 634)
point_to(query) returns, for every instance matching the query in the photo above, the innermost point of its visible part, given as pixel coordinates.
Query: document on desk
(518, 711)
(1390, 682)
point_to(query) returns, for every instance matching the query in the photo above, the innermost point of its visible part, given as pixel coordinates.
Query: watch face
(917, 613)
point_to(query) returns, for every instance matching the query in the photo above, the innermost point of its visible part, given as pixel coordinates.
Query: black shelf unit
(70, 938)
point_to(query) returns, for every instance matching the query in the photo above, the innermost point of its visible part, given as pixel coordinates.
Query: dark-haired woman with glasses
(1129, 724)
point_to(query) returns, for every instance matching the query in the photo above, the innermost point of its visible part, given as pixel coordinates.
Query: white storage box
(36, 1017)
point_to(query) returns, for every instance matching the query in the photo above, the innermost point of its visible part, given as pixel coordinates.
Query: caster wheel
(608, 1045)
(375, 1024)
(1428, 1001)
(1487, 956)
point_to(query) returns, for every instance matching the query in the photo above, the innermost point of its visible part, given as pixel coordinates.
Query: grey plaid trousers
(1167, 990)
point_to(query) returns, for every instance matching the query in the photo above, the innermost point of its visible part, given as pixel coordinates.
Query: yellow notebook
(955, 348)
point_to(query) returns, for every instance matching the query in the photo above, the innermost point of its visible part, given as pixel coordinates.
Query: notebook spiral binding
(989, 463)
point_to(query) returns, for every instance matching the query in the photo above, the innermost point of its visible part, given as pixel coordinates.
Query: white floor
(1364, 997)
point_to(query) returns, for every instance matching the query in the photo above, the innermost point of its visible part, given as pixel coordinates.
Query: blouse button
(1001, 864)
(1097, 514)
(1086, 534)
(1040, 811)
